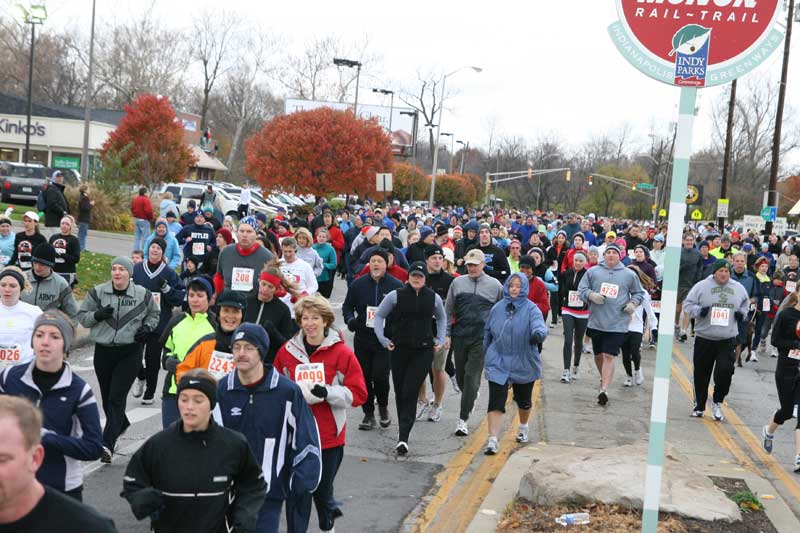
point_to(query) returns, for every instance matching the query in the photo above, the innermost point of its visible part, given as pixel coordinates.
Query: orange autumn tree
(319, 152)
(148, 143)
(455, 189)
(408, 179)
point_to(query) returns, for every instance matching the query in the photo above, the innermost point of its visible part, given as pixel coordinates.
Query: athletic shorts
(609, 342)
(499, 393)
(683, 292)
(439, 358)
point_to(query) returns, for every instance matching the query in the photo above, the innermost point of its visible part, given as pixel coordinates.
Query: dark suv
(21, 181)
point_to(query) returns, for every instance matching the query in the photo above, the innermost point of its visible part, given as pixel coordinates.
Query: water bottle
(573, 519)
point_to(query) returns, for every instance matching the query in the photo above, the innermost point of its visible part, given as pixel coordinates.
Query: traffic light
(633, 187)
(590, 179)
(530, 173)
(569, 175)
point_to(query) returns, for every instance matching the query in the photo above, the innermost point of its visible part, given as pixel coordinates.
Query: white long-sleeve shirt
(244, 197)
(637, 318)
(16, 329)
(301, 273)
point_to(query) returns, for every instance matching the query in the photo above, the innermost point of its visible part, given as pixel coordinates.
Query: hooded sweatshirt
(511, 357)
(620, 285)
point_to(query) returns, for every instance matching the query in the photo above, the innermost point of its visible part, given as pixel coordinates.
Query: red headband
(276, 281)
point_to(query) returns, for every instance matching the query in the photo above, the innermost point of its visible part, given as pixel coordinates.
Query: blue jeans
(141, 232)
(327, 507)
(169, 410)
(83, 230)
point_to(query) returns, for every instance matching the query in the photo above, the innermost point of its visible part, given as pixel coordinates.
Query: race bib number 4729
(609, 290)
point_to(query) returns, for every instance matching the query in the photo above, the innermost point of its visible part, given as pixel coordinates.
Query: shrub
(110, 213)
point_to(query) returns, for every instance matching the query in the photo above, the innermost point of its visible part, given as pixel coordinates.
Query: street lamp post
(391, 104)
(36, 14)
(439, 129)
(87, 113)
(350, 63)
(415, 125)
(464, 149)
(452, 144)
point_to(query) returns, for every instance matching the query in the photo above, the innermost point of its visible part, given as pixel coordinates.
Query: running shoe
(553, 326)
(138, 388)
(368, 423)
(522, 434)
(638, 377)
(401, 448)
(565, 376)
(147, 401)
(766, 440)
(716, 410)
(774, 352)
(435, 413)
(461, 428)
(797, 464)
(454, 382)
(574, 374)
(602, 398)
(422, 408)
(587, 348)
(754, 358)
(628, 382)
(683, 337)
(697, 413)
(383, 411)
(106, 455)
(491, 446)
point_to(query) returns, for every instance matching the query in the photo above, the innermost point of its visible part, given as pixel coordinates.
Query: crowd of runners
(258, 376)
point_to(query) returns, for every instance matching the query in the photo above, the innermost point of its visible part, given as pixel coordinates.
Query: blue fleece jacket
(173, 251)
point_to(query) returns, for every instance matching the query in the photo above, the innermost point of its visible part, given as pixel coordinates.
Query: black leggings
(788, 383)
(632, 351)
(325, 288)
(116, 368)
(555, 307)
(499, 393)
(152, 362)
(409, 368)
(374, 361)
(574, 330)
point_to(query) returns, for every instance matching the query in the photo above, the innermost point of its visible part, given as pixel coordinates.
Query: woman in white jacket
(631, 348)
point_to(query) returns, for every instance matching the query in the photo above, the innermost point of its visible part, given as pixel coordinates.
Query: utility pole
(776, 141)
(87, 112)
(726, 164)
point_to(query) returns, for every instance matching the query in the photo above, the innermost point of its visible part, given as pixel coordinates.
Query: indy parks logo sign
(697, 43)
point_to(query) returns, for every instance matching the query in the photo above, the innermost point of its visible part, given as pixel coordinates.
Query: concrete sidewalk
(568, 415)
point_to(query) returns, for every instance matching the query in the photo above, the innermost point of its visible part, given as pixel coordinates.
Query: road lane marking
(752, 442)
(447, 479)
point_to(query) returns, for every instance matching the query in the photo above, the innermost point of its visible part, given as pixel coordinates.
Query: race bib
(790, 286)
(311, 374)
(198, 248)
(765, 304)
(9, 355)
(720, 316)
(157, 298)
(242, 279)
(794, 354)
(631, 255)
(655, 305)
(371, 310)
(573, 300)
(609, 290)
(220, 364)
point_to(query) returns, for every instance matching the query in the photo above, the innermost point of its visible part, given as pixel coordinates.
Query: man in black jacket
(196, 476)
(691, 271)
(496, 261)
(364, 296)
(56, 204)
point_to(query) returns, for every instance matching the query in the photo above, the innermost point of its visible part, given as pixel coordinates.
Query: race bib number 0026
(9, 355)
(311, 374)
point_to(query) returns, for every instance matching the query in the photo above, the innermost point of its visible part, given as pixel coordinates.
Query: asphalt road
(377, 489)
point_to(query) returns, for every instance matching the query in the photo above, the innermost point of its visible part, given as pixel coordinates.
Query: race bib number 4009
(311, 373)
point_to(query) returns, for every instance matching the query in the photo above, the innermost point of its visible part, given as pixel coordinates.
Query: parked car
(72, 178)
(21, 181)
(190, 190)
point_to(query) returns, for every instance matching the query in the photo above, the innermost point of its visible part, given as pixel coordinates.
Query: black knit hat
(44, 254)
(161, 243)
(255, 335)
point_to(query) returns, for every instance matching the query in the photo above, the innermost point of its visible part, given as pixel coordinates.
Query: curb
(506, 486)
(92, 233)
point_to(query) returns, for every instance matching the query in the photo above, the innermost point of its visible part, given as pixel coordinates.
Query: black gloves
(104, 313)
(704, 311)
(142, 333)
(739, 316)
(320, 391)
(351, 324)
(536, 339)
(171, 364)
(164, 286)
(145, 502)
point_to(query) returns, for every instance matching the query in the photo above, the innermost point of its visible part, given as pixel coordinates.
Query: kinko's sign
(697, 43)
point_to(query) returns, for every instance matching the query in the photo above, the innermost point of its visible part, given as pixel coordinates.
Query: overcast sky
(548, 65)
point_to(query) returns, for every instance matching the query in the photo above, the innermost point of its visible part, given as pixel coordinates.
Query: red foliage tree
(150, 142)
(789, 190)
(408, 178)
(319, 152)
